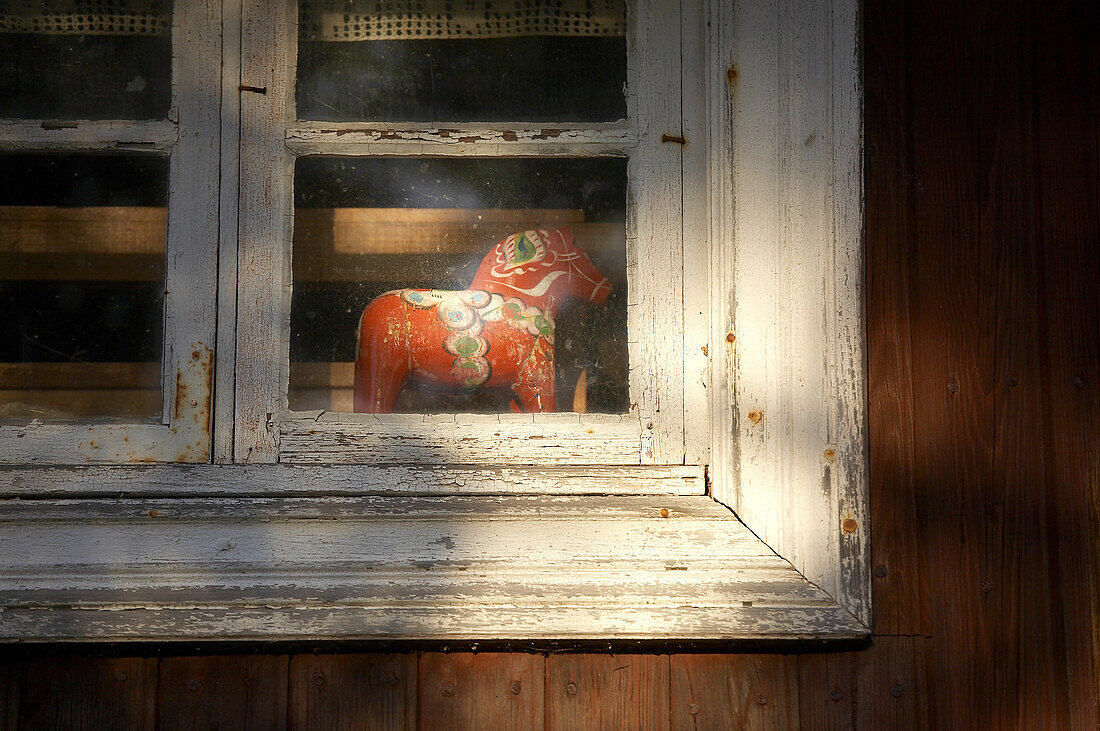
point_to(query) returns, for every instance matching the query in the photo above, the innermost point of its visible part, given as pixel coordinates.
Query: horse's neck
(545, 301)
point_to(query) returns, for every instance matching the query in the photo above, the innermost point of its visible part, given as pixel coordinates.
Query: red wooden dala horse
(499, 332)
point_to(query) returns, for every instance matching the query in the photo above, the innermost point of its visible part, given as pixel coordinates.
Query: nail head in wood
(850, 525)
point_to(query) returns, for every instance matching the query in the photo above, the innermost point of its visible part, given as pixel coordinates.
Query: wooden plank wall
(983, 236)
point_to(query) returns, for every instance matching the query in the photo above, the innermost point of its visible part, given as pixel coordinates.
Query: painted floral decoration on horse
(497, 333)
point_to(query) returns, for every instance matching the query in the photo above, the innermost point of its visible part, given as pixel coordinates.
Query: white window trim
(555, 552)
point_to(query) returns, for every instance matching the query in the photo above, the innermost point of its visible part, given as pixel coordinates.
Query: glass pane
(506, 282)
(82, 240)
(70, 59)
(447, 61)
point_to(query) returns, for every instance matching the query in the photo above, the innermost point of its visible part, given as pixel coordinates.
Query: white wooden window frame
(268, 542)
(653, 432)
(189, 136)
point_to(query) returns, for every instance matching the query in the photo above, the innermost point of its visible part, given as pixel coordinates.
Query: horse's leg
(381, 369)
(535, 385)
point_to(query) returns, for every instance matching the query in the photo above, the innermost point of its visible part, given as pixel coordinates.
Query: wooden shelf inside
(120, 243)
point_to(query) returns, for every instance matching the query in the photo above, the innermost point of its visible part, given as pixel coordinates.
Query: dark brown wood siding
(983, 270)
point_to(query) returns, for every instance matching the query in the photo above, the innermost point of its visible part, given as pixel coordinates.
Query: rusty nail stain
(881, 571)
(693, 709)
(756, 416)
(571, 688)
(389, 680)
(318, 679)
(1078, 382)
(153, 513)
(761, 699)
(447, 689)
(730, 337)
(515, 687)
(705, 351)
(850, 525)
(649, 425)
(830, 455)
(194, 684)
(836, 694)
(195, 355)
(120, 675)
(1012, 381)
(664, 512)
(953, 385)
(731, 74)
(987, 586)
(896, 690)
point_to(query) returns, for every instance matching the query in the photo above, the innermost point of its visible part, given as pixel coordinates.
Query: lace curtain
(338, 20)
(87, 17)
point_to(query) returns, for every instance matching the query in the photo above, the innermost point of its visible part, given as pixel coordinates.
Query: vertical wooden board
(826, 690)
(899, 567)
(354, 691)
(695, 168)
(734, 691)
(11, 685)
(951, 287)
(263, 263)
(592, 691)
(789, 295)
(191, 284)
(466, 690)
(1067, 90)
(222, 691)
(1020, 594)
(892, 688)
(654, 231)
(99, 693)
(226, 350)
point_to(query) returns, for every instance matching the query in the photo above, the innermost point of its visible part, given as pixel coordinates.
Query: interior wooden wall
(983, 270)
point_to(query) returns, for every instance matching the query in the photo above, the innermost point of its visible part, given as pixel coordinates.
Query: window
(307, 161)
(109, 235)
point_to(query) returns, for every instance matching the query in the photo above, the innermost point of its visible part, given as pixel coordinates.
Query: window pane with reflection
(459, 285)
(82, 240)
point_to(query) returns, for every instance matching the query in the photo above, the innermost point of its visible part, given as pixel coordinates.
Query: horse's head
(543, 268)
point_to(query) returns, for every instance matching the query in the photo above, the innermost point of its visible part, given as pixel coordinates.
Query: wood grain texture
(1059, 680)
(827, 690)
(222, 691)
(289, 480)
(734, 691)
(102, 693)
(607, 692)
(11, 687)
(893, 688)
(788, 408)
(354, 691)
(484, 691)
(899, 566)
